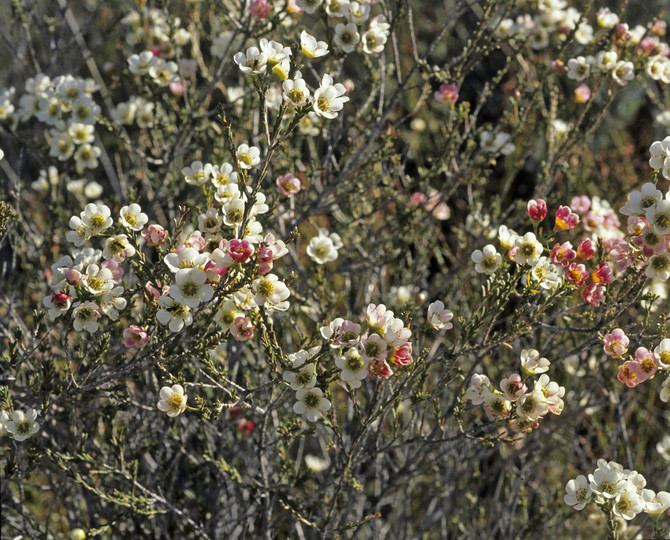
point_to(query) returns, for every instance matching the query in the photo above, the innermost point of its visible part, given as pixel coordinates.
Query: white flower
(295, 91)
(662, 354)
(312, 48)
(57, 304)
(223, 175)
(309, 6)
(270, 292)
(532, 405)
(190, 288)
(660, 156)
(97, 280)
(374, 41)
(487, 261)
(354, 367)
(605, 482)
(500, 142)
(628, 503)
(79, 233)
(578, 492)
(528, 249)
(85, 316)
(606, 18)
(210, 221)
(186, 258)
(197, 173)
(4, 418)
(395, 333)
(655, 504)
(478, 383)
(174, 314)
(80, 133)
(640, 201)
(96, 218)
(164, 73)
(172, 400)
(86, 156)
(305, 377)
(532, 364)
(323, 248)
(337, 8)
(145, 113)
(139, 64)
(247, 156)
(311, 403)
(658, 216)
(358, 12)
(606, 60)
(253, 61)
(546, 274)
(578, 68)
(438, 317)
(112, 302)
(84, 110)
(663, 447)
(274, 52)
(373, 347)
(506, 237)
(329, 98)
(658, 266)
(22, 425)
(131, 217)
(623, 72)
(226, 315)
(584, 34)
(346, 36)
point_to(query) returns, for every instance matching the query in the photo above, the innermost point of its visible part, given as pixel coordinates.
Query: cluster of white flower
(81, 188)
(65, 104)
(136, 110)
(162, 72)
(618, 490)
(155, 27)
(514, 400)
(649, 221)
(19, 425)
(603, 63)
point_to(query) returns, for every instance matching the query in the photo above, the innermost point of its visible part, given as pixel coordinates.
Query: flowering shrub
(322, 269)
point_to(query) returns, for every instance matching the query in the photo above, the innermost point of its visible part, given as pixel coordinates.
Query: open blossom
(154, 235)
(593, 294)
(576, 274)
(248, 156)
(57, 303)
(495, 404)
(578, 492)
(305, 377)
(373, 347)
(346, 36)
(565, 219)
(172, 400)
(135, 336)
(354, 367)
(323, 248)
(513, 387)
(96, 218)
(312, 48)
(85, 317)
(173, 313)
(242, 329)
(658, 216)
(295, 91)
(447, 94)
(528, 249)
(271, 293)
(329, 98)
(260, 8)
(532, 364)
(197, 173)
(586, 250)
(253, 61)
(662, 354)
(438, 317)
(288, 185)
(487, 260)
(563, 254)
(22, 425)
(190, 287)
(310, 403)
(660, 156)
(615, 344)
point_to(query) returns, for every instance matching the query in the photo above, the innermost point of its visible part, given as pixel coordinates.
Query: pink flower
(178, 88)
(246, 427)
(373, 347)
(259, 8)
(627, 375)
(418, 198)
(513, 387)
(536, 210)
(576, 274)
(645, 364)
(379, 369)
(135, 336)
(154, 235)
(603, 273)
(593, 294)
(565, 219)
(562, 254)
(447, 94)
(650, 241)
(621, 255)
(73, 277)
(155, 292)
(580, 204)
(402, 356)
(234, 412)
(615, 344)
(586, 250)
(242, 329)
(582, 93)
(240, 250)
(195, 241)
(115, 268)
(288, 185)
(636, 225)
